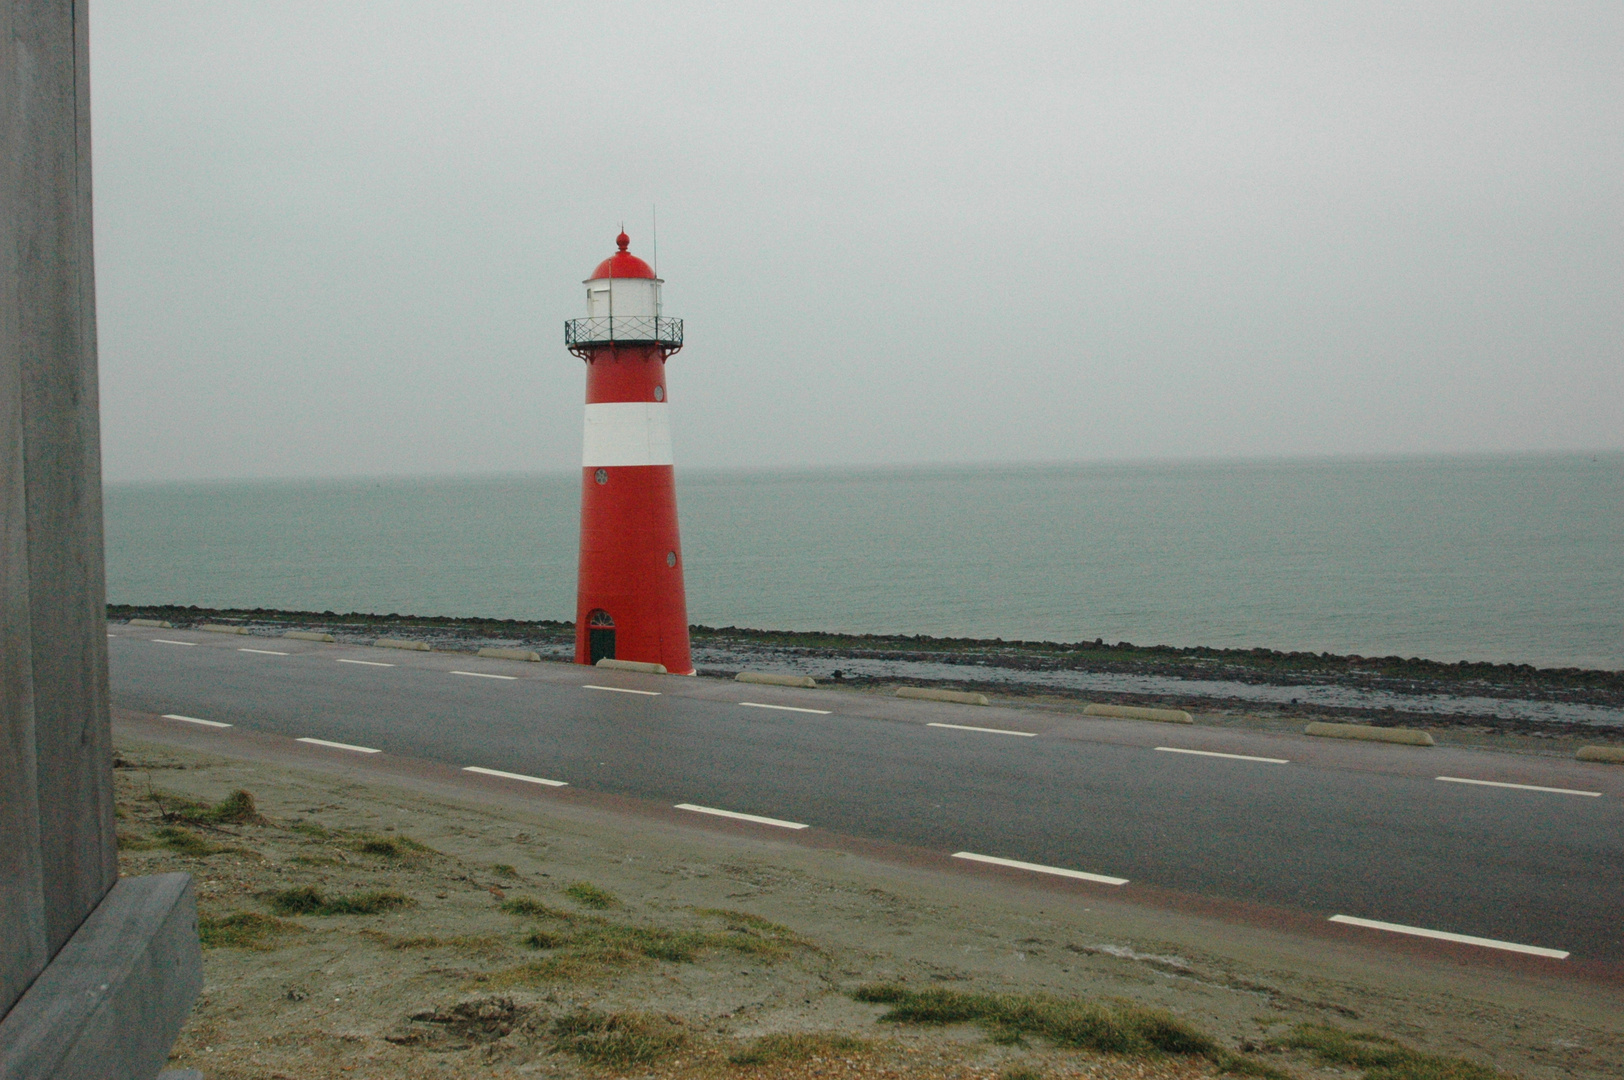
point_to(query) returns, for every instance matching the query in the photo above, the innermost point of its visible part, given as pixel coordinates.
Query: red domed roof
(622, 264)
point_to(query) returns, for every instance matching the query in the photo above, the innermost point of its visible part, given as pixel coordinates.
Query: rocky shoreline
(1255, 686)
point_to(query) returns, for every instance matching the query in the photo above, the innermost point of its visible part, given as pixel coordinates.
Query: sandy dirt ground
(367, 923)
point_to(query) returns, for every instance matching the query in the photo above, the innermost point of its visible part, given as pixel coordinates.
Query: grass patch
(618, 942)
(589, 895)
(562, 968)
(310, 829)
(235, 809)
(621, 943)
(373, 902)
(744, 920)
(503, 870)
(481, 944)
(600, 945)
(243, 930)
(309, 900)
(616, 1040)
(134, 841)
(589, 950)
(1066, 1022)
(1381, 1057)
(186, 842)
(1020, 1072)
(300, 900)
(797, 1046)
(530, 906)
(755, 935)
(589, 946)
(392, 847)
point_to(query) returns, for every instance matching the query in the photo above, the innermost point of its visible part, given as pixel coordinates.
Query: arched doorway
(600, 636)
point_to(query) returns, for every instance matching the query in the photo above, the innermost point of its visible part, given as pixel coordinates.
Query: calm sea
(1508, 559)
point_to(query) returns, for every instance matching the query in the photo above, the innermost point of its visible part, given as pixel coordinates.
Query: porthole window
(671, 558)
(601, 476)
(659, 393)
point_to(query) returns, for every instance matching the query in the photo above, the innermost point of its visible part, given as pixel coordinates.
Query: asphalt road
(1367, 831)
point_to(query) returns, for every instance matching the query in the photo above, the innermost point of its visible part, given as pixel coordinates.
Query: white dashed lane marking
(365, 663)
(1233, 757)
(782, 708)
(986, 730)
(171, 641)
(483, 675)
(1038, 868)
(194, 720)
(758, 819)
(264, 652)
(341, 746)
(1519, 787)
(1444, 935)
(622, 690)
(514, 776)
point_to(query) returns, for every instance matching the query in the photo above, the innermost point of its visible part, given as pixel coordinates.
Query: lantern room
(623, 285)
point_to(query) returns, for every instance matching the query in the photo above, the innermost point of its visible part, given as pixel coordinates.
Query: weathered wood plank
(57, 842)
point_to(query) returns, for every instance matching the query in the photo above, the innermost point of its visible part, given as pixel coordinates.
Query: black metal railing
(583, 334)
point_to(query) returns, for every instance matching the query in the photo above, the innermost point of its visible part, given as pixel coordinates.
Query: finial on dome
(623, 240)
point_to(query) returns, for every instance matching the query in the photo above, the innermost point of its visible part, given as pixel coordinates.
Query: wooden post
(58, 851)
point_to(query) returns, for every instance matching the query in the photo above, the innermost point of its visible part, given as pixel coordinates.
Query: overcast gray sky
(339, 239)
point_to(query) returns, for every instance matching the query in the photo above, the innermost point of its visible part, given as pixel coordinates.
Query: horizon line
(1394, 457)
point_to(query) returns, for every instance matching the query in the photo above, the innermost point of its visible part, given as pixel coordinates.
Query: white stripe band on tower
(626, 433)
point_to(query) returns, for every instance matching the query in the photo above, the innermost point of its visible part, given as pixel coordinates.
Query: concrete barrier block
(157, 624)
(220, 628)
(1614, 754)
(511, 654)
(1136, 712)
(768, 678)
(958, 697)
(113, 999)
(308, 635)
(1407, 736)
(632, 665)
(401, 643)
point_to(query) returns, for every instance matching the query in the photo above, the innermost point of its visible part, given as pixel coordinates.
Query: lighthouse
(629, 603)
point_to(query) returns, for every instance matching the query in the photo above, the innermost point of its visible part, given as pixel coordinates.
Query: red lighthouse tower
(630, 603)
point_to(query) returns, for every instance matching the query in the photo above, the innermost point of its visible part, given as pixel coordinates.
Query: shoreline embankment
(1256, 686)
